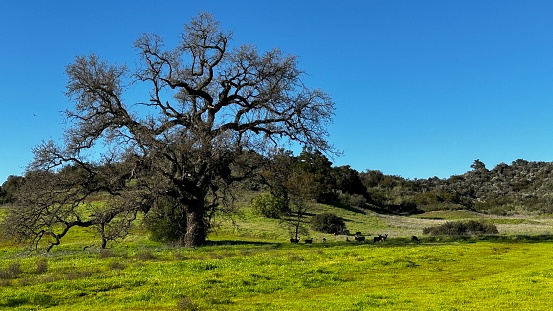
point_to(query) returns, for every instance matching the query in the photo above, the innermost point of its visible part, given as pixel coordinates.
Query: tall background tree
(212, 110)
(9, 188)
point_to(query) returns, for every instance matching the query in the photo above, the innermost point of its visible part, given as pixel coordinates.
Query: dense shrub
(165, 222)
(461, 228)
(268, 205)
(328, 223)
(163, 229)
(475, 227)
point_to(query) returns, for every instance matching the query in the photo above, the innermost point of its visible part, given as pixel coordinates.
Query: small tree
(302, 188)
(478, 165)
(47, 209)
(317, 165)
(269, 206)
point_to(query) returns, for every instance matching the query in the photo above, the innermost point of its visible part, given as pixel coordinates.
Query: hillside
(249, 226)
(250, 265)
(519, 188)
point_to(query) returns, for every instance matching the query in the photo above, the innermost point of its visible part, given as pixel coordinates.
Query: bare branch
(211, 107)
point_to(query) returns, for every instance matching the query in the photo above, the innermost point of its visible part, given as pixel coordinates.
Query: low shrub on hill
(462, 228)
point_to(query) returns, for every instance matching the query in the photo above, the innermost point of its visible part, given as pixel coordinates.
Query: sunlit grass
(250, 265)
(449, 215)
(265, 276)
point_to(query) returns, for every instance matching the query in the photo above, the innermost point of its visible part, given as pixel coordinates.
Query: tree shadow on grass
(348, 208)
(238, 242)
(405, 209)
(520, 238)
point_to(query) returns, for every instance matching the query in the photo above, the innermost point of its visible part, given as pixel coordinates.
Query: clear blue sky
(422, 88)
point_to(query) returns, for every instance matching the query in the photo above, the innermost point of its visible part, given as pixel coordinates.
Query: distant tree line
(286, 184)
(520, 187)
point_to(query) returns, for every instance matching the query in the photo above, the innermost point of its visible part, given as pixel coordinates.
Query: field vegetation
(249, 264)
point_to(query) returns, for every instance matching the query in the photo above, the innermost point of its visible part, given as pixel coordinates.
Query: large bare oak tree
(212, 111)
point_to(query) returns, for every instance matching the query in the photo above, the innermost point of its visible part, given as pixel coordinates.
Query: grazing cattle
(295, 241)
(358, 233)
(359, 238)
(380, 238)
(415, 239)
(309, 241)
(324, 240)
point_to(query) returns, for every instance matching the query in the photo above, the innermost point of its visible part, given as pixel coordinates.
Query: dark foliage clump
(8, 189)
(166, 222)
(328, 223)
(470, 227)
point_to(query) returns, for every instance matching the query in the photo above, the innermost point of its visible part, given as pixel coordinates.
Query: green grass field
(252, 266)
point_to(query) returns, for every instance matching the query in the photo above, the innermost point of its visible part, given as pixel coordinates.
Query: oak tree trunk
(196, 228)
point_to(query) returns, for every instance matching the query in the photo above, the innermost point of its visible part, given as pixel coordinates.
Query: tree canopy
(213, 112)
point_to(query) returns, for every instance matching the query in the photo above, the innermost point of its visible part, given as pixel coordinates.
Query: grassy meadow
(250, 265)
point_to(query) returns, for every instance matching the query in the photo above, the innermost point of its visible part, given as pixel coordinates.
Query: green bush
(165, 222)
(328, 223)
(475, 227)
(268, 205)
(461, 228)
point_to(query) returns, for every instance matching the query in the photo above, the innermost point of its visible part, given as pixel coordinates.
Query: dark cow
(380, 238)
(415, 239)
